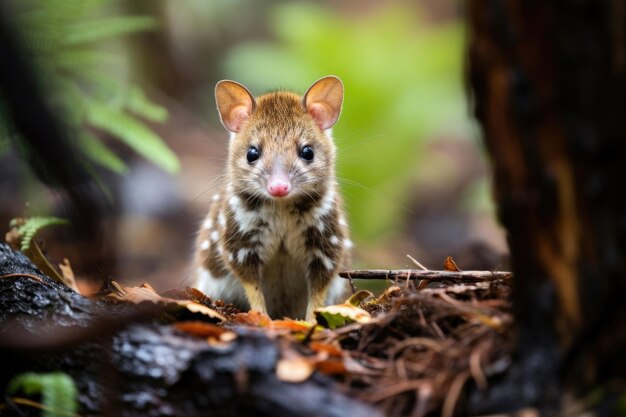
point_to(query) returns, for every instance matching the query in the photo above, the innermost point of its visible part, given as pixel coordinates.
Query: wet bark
(548, 81)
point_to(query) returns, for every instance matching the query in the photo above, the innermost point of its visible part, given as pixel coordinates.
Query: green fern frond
(103, 29)
(138, 103)
(135, 134)
(101, 85)
(59, 36)
(98, 152)
(58, 391)
(33, 225)
(80, 59)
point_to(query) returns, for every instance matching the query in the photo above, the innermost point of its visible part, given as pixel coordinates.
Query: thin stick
(31, 276)
(434, 276)
(419, 265)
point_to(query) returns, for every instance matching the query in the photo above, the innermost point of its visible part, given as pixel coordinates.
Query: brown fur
(302, 228)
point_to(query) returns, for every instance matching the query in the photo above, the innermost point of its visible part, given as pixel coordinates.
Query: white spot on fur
(215, 197)
(214, 236)
(325, 207)
(208, 224)
(221, 219)
(348, 244)
(337, 291)
(235, 202)
(247, 220)
(242, 253)
(334, 240)
(328, 263)
(205, 245)
(342, 221)
(222, 287)
(229, 256)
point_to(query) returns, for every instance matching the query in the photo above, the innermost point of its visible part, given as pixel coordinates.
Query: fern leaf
(102, 86)
(107, 28)
(57, 389)
(80, 59)
(33, 225)
(100, 153)
(135, 134)
(138, 103)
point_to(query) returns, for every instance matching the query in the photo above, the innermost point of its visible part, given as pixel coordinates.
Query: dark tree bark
(548, 80)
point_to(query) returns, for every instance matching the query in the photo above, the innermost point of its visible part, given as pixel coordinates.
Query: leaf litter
(409, 351)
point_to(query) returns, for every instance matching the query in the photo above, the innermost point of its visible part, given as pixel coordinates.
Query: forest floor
(410, 351)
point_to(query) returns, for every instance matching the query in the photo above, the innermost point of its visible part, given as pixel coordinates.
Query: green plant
(27, 228)
(57, 389)
(85, 81)
(403, 82)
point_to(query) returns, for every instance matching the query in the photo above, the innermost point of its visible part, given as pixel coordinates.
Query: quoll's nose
(278, 187)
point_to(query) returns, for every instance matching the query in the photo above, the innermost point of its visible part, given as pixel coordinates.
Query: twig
(31, 276)
(432, 276)
(419, 265)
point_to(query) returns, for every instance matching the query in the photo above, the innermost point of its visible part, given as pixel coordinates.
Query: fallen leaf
(291, 325)
(331, 366)
(145, 293)
(252, 318)
(206, 330)
(450, 265)
(321, 347)
(194, 307)
(359, 297)
(294, 369)
(341, 314)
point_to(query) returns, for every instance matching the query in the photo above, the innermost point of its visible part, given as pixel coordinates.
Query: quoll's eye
(253, 154)
(306, 153)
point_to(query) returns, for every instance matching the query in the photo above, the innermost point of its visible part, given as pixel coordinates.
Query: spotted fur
(277, 255)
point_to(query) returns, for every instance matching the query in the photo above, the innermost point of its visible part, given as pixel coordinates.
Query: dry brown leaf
(145, 293)
(252, 318)
(294, 369)
(328, 348)
(331, 366)
(291, 325)
(206, 330)
(450, 265)
(194, 307)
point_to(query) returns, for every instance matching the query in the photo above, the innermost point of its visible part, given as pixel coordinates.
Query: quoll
(276, 233)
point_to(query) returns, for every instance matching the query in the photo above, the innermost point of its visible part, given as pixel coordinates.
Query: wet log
(548, 81)
(126, 363)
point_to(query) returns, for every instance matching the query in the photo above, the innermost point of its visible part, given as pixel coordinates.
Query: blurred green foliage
(403, 81)
(83, 81)
(57, 389)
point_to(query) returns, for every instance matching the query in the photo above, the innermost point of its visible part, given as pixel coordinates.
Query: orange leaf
(252, 318)
(321, 347)
(450, 265)
(291, 325)
(332, 366)
(212, 333)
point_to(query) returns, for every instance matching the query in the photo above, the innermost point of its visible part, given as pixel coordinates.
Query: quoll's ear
(234, 103)
(323, 101)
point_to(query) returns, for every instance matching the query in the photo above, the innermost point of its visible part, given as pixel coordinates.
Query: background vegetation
(412, 176)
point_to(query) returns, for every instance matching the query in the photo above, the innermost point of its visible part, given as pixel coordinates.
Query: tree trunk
(548, 80)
